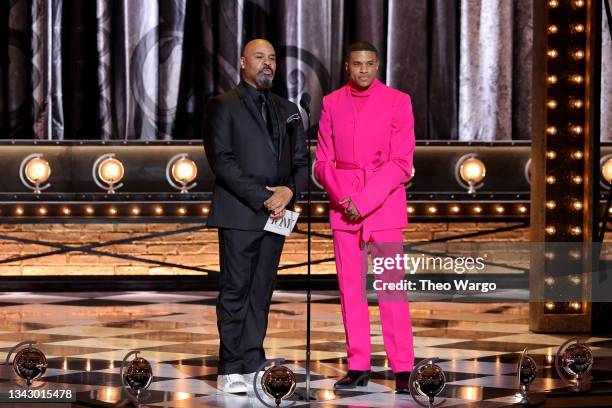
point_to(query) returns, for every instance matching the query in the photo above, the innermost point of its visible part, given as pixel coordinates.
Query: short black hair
(359, 46)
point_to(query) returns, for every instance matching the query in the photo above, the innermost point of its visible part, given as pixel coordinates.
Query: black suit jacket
(244, 159)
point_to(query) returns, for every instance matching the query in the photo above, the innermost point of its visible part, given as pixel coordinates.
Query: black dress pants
(248, 262)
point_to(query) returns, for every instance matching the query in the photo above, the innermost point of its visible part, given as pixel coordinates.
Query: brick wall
(194, 249)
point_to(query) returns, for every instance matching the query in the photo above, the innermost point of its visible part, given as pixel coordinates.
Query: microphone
(305, 103)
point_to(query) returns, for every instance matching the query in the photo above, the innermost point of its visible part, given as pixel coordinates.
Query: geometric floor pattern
(86, 335)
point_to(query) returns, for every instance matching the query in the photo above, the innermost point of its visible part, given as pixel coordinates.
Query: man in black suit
(256, 148)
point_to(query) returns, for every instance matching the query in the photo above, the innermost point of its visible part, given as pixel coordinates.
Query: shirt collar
(252, 91)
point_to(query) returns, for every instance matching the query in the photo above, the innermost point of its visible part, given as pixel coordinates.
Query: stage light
(551, 154)
(551, 179)
(578, 54)
(549, 280)
(578, 3)
(111, 171)
(19, 211)
(89, 210)
(552, 79)
(575, 305)
(66, 211)
(42, 211)
(34, 171)
(205, 210)
(576, 230)
(577, 205)
(549, 255)
(410, 209)
(522, 209)
(575, 279)
(182, 170)
(500, 209)
(551, 130)
(552, 53)
(553, 29)
(577, 155)
(432, 209)
(158, 210)
(575, 254)
(37, 170)
(470, 170)
(550, 305)
(577, 28)
(550, 230)
(577, 179)
(477, 209)
(552, 104)
(576, 130)
(606, 170)
(553, 3)
(135, 211)
(576, 79)
(320, 209)
(182, 211)
(551, 205)
(112, 211)
(576, 103)
(455, 209)
(107, 169)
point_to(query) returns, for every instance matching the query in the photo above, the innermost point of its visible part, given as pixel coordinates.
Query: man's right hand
(351, 211)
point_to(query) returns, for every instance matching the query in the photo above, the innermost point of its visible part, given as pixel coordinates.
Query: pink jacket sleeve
(325, 169)
(398, 169)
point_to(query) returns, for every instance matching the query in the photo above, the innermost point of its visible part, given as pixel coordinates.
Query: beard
(264, 81)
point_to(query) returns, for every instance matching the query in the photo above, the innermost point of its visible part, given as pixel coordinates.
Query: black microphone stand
(305, 104)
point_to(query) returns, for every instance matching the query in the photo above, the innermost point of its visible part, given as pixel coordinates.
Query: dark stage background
(121, 69)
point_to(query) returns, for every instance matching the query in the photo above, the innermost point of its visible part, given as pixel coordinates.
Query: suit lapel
(250, 106)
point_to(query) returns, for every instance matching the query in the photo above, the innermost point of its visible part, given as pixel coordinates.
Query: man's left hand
(279, 200)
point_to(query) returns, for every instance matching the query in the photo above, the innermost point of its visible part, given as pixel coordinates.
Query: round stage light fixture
(606, 170)
(34, 172)
(180, 172)
(107, 172)
(470, 171)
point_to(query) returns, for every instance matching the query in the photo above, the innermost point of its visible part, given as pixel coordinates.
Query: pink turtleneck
(360, 96)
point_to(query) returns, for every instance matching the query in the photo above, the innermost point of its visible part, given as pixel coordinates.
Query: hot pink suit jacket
(366, 156)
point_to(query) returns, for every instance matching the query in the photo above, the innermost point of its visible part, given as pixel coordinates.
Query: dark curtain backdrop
(143, 69)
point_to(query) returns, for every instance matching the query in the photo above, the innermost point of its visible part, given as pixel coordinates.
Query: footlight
(576, 360)
(427, 380)
(136, 376)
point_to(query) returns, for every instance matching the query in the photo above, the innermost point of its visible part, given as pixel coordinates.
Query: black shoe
(402, 382)
(352, 379)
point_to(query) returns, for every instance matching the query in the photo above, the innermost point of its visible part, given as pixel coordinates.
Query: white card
(282, 226)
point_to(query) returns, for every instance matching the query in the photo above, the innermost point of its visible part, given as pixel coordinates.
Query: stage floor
(86, 335)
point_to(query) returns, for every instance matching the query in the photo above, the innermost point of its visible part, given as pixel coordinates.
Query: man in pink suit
(363, 158)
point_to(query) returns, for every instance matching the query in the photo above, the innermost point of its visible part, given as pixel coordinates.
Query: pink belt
(371, 167)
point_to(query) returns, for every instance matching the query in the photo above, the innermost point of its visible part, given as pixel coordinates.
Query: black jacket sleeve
(217, 142)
